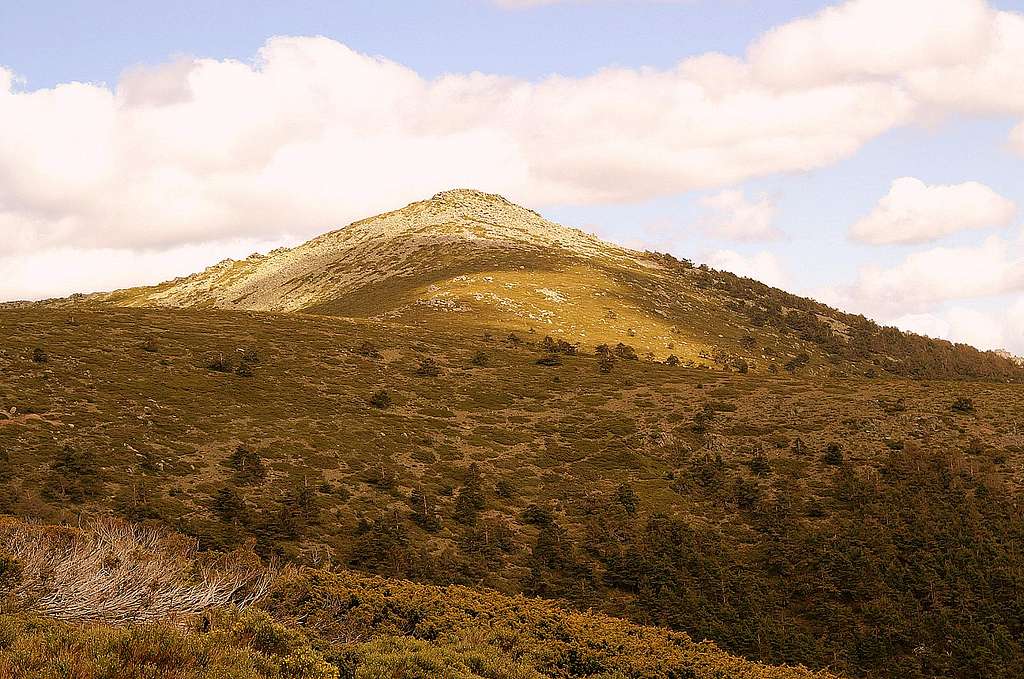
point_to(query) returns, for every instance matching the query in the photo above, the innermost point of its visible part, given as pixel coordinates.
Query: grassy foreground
(307, 623)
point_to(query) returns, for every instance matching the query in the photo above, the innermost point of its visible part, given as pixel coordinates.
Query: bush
(480, 359)
(428, 368)
(381, 399)
(469, 500)
(626, 351)
(963, 405)
(672, 360)
(368, 349)
(248, 465)
(833, 454)
(220, 364)
(39, 355)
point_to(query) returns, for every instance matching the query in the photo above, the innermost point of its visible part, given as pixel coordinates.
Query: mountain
(468, 258)
(802, 487)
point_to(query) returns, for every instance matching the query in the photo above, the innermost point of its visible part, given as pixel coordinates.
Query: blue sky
(942, 112)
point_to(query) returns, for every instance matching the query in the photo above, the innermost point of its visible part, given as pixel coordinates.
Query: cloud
(931, 277)
(732, 215)
(982, 329)
(763, 266)
(1017, 139)
(914, 212)
(101, 269)
(312, 134)
(871, 39)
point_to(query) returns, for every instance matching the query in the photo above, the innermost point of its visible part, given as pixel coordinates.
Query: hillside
(467, 258)
(840, 522)
(462, 393)
(308, 623)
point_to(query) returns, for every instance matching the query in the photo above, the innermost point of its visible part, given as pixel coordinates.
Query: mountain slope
(470, 259)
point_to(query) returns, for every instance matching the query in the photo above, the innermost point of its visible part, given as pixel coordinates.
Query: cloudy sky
(868, 153)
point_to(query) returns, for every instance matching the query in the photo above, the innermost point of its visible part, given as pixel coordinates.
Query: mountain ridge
(472, 259)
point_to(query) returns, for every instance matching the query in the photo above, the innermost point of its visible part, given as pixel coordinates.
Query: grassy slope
(161, 427)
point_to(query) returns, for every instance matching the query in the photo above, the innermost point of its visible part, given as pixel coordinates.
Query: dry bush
(115, 572)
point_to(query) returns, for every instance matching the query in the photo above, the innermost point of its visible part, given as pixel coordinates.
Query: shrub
(833, 454)
(428, 368)
(113, 571)
(39, 355)
(244, 369)
(672, 360)
(220, 364)
(759, 465)
(797, 362)
(381, 399)
(368, 349)
(248, 465)
(74, 475)
(626, 351)
(963, 405)
(605, 363)
(480, 359)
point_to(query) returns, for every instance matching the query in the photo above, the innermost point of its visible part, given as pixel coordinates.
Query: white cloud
(930, 277)
(56, 272)
(914, 212)
(732, 215)
(1017, 138)
(312, 134)
(869, 39)
(763, 266)
(982, 329)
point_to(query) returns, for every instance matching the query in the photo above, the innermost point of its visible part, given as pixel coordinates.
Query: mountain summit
(470, 259)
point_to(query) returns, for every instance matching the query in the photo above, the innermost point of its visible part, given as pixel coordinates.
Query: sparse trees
(248, 465)
(424, 510)
(469, 499)
(74, 475)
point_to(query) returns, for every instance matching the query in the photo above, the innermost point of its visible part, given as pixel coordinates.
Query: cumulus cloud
(732, 215)
(763, 266)
(1017, 138)
(982, 329)
(866, 39)
(914, 212)
(312, 134)
(56, 272)
(930, 277)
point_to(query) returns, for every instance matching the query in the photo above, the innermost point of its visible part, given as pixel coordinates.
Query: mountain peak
(469, 195)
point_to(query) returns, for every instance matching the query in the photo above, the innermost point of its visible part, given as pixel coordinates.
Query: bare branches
(120, 573)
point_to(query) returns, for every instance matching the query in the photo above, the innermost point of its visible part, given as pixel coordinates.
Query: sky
(868, 153)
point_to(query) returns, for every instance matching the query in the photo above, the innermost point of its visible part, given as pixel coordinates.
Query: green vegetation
(702, 499)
